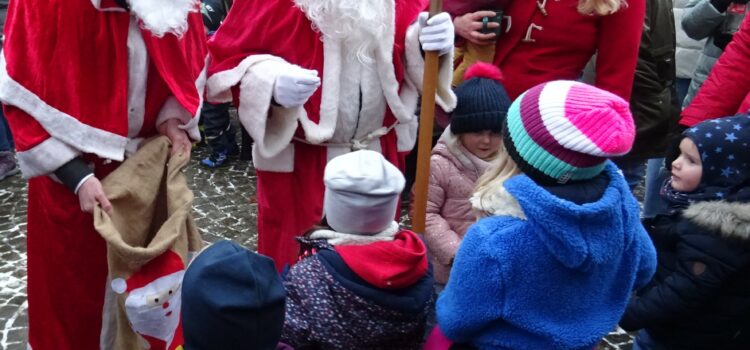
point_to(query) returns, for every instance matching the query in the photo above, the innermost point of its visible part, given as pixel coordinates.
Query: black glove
(673, 147)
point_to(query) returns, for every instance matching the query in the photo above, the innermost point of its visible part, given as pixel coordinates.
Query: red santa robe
(81, 78)
(358, 106)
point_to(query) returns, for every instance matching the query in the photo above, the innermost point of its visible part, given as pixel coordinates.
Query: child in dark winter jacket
(700, 295)
(460, 157)
(555, 263)
(363, 282)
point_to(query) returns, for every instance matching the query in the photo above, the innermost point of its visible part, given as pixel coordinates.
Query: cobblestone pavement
(223, 208)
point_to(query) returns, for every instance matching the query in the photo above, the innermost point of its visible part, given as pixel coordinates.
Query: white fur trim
(406, 133)
(341, 238)
(329, 104)
(444, 97)
(45, 157)
(58, 124)
(282, 162)
(200, 87)
(137, 78)
(172, 109)
(271, 129)
(164, 16)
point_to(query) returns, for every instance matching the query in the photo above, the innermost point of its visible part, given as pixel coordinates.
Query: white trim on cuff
(80, 183)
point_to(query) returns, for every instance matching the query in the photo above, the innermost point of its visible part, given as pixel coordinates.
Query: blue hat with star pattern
(725, 154)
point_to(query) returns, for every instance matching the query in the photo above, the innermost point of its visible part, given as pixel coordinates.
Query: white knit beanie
(362, 192)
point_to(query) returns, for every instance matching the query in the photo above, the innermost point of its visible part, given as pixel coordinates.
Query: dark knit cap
(723, 146)
(482, 101)
(232, 298)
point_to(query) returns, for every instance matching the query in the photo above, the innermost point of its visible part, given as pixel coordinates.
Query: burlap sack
(150, 238)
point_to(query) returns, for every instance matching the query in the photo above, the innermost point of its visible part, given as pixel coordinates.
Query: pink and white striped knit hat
(565, 130)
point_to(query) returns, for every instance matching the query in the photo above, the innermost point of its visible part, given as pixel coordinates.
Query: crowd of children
(552, 262)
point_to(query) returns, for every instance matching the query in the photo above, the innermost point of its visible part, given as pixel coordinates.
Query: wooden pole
(426, 121)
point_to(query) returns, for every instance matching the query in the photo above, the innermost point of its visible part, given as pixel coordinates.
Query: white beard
(164, 16)
(360, 24)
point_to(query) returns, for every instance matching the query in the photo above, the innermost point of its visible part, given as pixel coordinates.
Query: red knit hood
(388, 265)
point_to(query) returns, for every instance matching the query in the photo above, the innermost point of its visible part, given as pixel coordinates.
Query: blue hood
(578, 247)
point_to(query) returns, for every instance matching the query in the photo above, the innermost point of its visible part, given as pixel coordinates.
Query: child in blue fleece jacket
(554, 265)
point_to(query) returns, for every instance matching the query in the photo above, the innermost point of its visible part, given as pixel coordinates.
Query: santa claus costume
(369, 57)
(82, 81)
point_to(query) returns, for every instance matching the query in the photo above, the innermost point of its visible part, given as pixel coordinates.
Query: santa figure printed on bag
(154, 301)
(315, 79)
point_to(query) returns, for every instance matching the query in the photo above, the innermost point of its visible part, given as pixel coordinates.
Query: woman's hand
(179, 138)
(469, 25)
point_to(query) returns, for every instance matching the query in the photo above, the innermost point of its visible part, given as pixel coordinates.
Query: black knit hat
(482, 101)
(232, 298)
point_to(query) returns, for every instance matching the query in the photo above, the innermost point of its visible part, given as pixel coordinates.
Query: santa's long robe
(80, 78)
(358, 106)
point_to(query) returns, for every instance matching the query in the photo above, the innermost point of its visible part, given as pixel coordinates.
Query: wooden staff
(426, 121)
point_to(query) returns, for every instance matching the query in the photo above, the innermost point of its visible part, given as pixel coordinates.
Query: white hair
(360, 24)
(164, 16)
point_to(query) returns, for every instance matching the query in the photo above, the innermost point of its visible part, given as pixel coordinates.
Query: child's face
(687, 169)
(483, 144)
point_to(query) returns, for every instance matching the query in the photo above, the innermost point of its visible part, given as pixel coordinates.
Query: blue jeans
(220, 133)
(6, 140)
(643, 341)
(656, 174)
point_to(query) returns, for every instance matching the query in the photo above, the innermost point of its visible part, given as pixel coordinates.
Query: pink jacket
(453, 174)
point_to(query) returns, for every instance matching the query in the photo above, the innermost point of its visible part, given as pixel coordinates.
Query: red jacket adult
(83, 79)
(558, 42)
(360, 105)
(727, 90)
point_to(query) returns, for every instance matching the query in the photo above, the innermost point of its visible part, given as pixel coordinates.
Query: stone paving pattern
(223, 208)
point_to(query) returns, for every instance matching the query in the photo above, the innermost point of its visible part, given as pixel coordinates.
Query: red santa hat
(165, 264)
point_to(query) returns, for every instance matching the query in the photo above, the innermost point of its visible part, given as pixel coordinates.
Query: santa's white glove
(293, 88)
(437, 33)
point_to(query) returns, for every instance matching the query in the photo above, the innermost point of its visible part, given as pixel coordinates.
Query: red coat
(726, 92)
(559, 45)
(64, 80)
(259, 40)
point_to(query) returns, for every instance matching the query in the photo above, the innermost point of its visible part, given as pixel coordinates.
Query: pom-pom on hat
(362, 192)
(482, 101)
(565, 130)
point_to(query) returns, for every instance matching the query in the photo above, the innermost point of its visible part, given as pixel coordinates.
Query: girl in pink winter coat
(459, 159)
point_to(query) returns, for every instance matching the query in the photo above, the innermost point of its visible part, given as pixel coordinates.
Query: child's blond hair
(600, 7)
(501, 169)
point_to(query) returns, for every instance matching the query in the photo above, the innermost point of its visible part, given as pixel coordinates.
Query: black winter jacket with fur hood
(700, 295)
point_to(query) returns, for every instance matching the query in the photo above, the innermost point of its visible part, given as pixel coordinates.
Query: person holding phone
(550, 40)
(482, 22)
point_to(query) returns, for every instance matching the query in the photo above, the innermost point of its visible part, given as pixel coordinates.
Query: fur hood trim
(732, 219)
